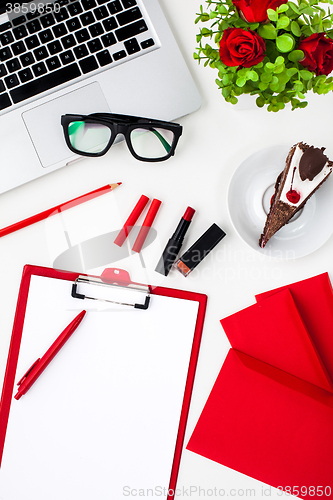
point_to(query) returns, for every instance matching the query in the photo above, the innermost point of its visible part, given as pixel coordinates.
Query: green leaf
(253, 75)
(282, 8)
(305, 74)
(267, 31)
(283, 22)
(222, 9)
(285, 42)
(272, 15)
(260, 101)
(240, 82)
(294, 7)
(291, 72)
(296, 55)
(295, 29)
(266, 77)
(279, 60)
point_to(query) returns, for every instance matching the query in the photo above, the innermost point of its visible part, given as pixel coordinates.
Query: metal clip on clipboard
(114, 278)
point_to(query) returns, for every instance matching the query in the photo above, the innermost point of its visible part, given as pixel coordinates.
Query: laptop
(81, 57)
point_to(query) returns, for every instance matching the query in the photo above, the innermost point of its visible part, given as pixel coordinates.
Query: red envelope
(268, 414)
(314, 300)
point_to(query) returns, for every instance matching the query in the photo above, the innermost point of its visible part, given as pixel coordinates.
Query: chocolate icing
(312, 162)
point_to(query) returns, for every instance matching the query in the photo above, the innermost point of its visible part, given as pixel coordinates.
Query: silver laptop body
(120, 56)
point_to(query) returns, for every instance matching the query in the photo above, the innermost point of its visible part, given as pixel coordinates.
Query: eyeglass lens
(88, 137)
(94, 137)
(153, 143)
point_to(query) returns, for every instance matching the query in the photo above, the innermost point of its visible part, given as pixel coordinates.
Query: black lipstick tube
(174, 244)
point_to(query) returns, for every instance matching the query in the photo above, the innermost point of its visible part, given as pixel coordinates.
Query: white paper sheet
(102, 419)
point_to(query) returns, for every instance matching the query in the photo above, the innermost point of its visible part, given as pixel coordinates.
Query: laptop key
(41, 53)
(53, 63)
(18, 48)
(5, 54)
(96, 29)
(11, 81)
(101, 13)
(20, 32)
(147, 43)
(2, 86)
(59, 30)
(34, 26)
(67, 57)
(88, 64)
(25, 75)
(32, 42)
(131, 30)
(6, 38)
(132, 46)
(110, 24)
(128, 3)
(68, 41)
(108, 39)
(13, 65)
(3, 70)
(115, 7)
(62, 15)
(47, 20)
(87, 18)
(82, 35)
(74, 9)
(54, 47)
(5, 27)
(81, 51)
(119, 55)
(73, 24)
(18, 20)
(128, 16)
(88, 4)
(5, 102)
(39, 69)
(27, 59)
(46, 82)
(104, 58)
(94, 45)
(46, 36)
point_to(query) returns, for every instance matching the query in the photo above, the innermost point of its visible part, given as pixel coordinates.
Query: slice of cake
(306, 169)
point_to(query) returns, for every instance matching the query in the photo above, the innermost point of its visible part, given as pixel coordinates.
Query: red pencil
(60, 208)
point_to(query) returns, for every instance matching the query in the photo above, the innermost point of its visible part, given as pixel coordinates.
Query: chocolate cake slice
(306, 169)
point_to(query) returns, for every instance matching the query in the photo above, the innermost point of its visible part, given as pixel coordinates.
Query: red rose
(318, 51)
(255, 11)
(243, 48)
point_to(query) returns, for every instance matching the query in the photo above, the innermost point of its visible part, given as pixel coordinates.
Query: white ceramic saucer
(249, 194)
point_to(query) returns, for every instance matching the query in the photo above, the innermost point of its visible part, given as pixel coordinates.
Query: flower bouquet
(273, 49)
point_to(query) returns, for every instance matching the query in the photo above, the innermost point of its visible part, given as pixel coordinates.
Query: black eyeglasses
(147, 139)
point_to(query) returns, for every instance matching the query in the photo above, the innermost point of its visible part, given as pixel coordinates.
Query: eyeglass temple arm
(166, 145)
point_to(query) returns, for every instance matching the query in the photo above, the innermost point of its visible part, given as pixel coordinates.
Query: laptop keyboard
(39, 52)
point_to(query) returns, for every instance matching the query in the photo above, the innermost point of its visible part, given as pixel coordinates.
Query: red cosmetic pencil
(133, 217)
(34, 372)
(59, 208)
(146, 225)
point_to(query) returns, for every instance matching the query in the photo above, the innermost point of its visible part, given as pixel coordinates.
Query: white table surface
(216, 139)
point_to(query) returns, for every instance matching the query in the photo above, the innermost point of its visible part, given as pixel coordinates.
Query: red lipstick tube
(174, 244)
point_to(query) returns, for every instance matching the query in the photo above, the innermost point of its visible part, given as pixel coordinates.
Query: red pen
(30, 377)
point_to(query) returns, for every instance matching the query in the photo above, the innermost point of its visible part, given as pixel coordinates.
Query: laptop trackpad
(44, 127)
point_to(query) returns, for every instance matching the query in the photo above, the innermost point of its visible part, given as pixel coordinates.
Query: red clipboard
(122, 279)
